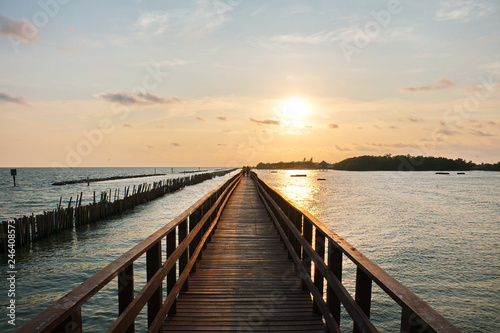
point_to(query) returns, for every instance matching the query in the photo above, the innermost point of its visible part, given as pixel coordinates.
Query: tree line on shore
(387, 163)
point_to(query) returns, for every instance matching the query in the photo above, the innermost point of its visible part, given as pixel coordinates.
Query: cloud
(393, 127)
(321, 37)
(265, 121)
(463, 10)
(199, 118)
(11, 99)
(447, 132)
(342, 149)
(348, 34)
(480, 133)
(333, 126)
(175, 144)
(136, 98)
(442, 83)
(204, 17)
(414, 119)
(22, 30)
(153, 22)
(222, 118)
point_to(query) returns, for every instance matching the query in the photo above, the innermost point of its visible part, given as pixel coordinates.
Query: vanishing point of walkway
(244, 281)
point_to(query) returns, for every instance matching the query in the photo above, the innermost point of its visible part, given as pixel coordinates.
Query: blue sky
(160, 83)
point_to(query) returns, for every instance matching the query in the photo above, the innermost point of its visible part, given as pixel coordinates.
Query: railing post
(192, 245)
(318, 277)
(126, 291)
(291, 238)
(335, 266)
(153, 264)
(363, 293)
(297, 221)
(410, 322)
(206, 208)
(72, 324)
(171, 276)
(183, 260)
(307, 234)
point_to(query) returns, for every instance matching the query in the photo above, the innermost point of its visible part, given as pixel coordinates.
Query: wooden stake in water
(13, 173)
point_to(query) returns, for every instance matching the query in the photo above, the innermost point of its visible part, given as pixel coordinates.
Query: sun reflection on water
(305, 191)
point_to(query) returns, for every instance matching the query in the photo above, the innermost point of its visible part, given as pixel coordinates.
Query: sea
(439, 235)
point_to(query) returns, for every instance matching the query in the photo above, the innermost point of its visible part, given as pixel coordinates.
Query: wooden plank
(244, 282)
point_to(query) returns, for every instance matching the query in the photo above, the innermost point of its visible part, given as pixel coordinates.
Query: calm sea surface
(439, 235)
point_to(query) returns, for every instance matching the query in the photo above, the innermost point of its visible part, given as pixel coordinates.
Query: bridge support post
(335, 266)
(318, 277)
(363, 293)
(184, 258)
(126, 291)
(172, 275)
(307, 233)
(153, 264)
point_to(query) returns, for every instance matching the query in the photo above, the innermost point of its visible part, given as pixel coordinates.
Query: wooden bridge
(243, 258)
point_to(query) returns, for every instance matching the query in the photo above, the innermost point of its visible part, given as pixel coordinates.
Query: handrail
(192, 228)
(298, 228)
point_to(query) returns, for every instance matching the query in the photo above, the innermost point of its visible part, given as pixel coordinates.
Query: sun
(295, 108)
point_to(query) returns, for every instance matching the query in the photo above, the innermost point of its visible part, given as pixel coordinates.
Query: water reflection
(434, 234)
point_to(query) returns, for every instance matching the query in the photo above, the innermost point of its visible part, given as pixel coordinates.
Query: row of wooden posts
(29, 229)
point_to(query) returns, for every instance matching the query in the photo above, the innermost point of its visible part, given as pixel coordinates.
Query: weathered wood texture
(244, 281)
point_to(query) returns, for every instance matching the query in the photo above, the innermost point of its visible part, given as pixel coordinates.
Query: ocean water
(51, 268)
(439, 235)
(34, 192)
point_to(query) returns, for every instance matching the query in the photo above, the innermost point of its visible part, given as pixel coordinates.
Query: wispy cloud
(333, 126)
(153, 22)
(265, 121)
(21, 30)
(136, 98)
(480, 133)
(175, 144)
(321, 37)
(448, 132)
(463, 10)
(348, 33)
(342, 149)
(442, 83)
(203, 18)
(4, 97)
(200, 118)
(414, 119)
(222, 118)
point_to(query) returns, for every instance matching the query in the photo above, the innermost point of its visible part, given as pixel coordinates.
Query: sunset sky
(236, 82)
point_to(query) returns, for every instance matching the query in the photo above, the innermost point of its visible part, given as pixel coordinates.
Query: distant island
(387, 163)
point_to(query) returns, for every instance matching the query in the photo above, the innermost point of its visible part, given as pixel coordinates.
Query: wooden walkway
(244, 281)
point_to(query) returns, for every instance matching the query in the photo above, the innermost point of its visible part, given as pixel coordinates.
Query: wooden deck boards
(244, 281)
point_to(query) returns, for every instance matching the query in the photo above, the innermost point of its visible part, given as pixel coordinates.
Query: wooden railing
(310, 241)
(185, 237)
